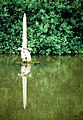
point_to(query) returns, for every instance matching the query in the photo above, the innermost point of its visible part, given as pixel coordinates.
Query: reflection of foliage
(55, 89)
(53, 27)
(56, 86)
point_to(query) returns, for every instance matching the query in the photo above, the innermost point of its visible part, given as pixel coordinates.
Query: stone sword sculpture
(25, 53)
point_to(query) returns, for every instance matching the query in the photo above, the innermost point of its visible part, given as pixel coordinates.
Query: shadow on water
(51, 90)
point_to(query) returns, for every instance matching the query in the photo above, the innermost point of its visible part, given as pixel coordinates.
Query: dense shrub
(53, 28)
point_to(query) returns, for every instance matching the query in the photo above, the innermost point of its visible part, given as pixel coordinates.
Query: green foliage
(54, 28)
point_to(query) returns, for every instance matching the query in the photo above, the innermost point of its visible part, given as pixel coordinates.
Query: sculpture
(25, 53)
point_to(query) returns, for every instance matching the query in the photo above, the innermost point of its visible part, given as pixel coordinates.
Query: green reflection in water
(54, 89)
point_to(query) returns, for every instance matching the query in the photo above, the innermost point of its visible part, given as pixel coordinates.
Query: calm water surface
(49, 90)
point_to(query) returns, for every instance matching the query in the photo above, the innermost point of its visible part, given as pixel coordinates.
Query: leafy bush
(54, 28)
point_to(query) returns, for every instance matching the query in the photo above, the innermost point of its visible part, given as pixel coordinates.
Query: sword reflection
(25, 70)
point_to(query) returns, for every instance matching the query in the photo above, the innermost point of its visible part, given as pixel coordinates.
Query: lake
(51, 88)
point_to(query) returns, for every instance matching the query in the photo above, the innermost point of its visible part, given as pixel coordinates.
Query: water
(51, 88)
